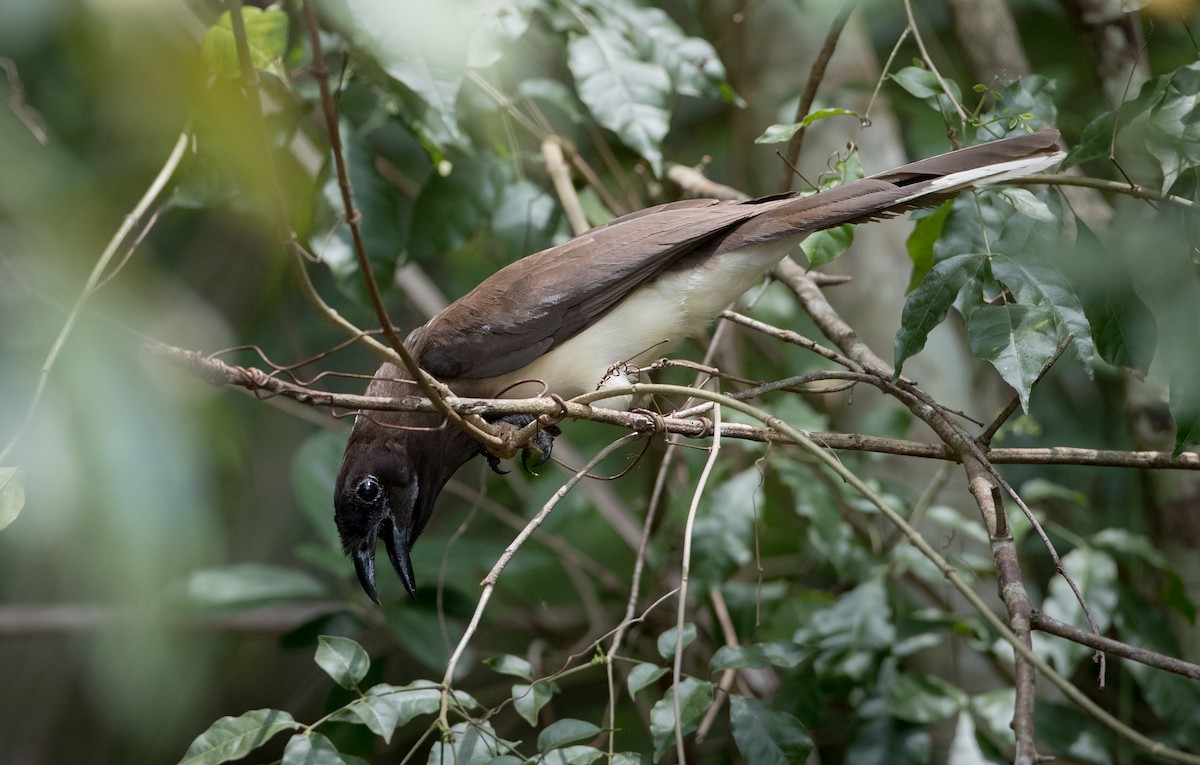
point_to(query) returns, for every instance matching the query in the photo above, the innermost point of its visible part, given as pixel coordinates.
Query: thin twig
(684, 570)
(129, 225)
(1051, 626)
(916, 32)
(427, 384)
(1117, 187)
(815, 75)
(493, 576)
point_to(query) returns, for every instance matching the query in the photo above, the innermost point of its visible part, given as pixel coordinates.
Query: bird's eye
(369, 490)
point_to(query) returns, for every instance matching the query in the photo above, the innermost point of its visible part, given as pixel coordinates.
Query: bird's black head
(379, 496)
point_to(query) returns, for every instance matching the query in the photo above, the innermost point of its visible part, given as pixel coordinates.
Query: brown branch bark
(264, 384)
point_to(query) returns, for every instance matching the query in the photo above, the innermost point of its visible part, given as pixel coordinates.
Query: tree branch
(1039, 621)
(266, 385)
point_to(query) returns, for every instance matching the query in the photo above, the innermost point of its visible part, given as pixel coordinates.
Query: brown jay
(567, 317)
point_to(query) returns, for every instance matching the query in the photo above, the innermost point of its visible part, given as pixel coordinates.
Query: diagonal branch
(123, 231)
(432, 390)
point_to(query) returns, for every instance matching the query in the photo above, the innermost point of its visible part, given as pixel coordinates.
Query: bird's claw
(542, 442)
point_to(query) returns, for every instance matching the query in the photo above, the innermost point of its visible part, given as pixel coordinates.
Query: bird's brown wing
(532, 305)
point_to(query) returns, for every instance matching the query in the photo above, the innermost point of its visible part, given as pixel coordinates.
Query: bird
(581, 315)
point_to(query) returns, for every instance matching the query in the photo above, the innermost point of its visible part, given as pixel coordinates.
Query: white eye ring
(369, 490)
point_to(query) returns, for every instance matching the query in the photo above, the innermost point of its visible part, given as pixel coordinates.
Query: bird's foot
(541, 442)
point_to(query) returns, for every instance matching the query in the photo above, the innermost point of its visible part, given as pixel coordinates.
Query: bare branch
(1129, 189)
(217, 372)
(1051, 626)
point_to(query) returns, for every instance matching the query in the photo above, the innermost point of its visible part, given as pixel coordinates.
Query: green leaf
(1028, 204)
(919, 82)
(468, 743)
(630, 758)
(502, 21)
(783, 133)
(723, 535)
(384, 708)
(1023, 106)
(526, 219)
(643, 676)
(765, 736)
(779, 654)
(1097, 137)
(1046, 287)
(694, 698)
(1037, 490)
(314, 471)
(1128, 544)
(232, 738)
(12, 494)
(880, 739)
(964, 748)
(1160, 124)
(924, 84)
(378, 206)
(572, 755)
(250, 584)
(1122, 325)
(926, 231)
(311, 749)
(995, 711)
(779, 133)
(851, 631)
(927, 305)
(626, 95)
(824, 246)
(550, 91)
(667, 640)
(423, 46)
(342, 659)
(566, 731)
(266, 37)
(421, 633)
(528, 700)
(692, 63)
(511, 665)
(1172, 133)
(924, 699)
(1017, 340)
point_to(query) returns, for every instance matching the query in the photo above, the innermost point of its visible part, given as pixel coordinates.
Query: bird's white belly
(645, 326)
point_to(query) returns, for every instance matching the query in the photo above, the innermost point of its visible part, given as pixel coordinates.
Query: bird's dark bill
(397, 546)
(396, 541)
(364, 566)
